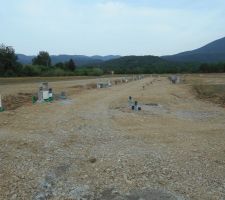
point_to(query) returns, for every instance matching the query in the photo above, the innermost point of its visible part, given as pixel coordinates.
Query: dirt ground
(93, 146)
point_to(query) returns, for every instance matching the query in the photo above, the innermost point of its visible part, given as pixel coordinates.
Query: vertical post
(50, 94)
(1, 107)
(45, 91)
(130, 101)
(40, 94)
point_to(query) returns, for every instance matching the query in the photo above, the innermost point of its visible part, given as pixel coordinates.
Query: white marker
(0, 102)
(1, 108)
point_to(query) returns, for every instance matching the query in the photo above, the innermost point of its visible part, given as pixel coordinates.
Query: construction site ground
(93, 146)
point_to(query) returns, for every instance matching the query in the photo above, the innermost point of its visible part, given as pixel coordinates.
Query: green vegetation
(157, 65)
(146, 65)
(89, 72)
(42, 59)
(8, 62)
(41, 66)
(212, 68)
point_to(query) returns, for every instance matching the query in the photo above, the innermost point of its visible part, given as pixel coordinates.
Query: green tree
(8, 61)
(71, 66)
(60, 65)
(43, 58)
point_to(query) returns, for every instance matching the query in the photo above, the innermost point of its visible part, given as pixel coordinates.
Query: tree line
(157, 65)
(42, 66)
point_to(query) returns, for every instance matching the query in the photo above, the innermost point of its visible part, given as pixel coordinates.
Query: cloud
(111, 27)
(111, 8)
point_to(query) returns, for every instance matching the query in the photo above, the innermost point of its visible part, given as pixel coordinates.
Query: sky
(106, 27)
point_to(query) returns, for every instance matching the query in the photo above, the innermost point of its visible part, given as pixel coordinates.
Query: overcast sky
(124, 27)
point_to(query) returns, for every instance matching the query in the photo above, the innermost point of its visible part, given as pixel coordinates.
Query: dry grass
(213, 93)
(18, 80)
(6, 81)
(209, 87)
(12, 102)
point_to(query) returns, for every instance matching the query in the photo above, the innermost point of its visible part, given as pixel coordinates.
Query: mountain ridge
(211, 52)
(78, 59)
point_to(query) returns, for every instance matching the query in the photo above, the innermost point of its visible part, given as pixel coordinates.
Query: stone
(92, 160)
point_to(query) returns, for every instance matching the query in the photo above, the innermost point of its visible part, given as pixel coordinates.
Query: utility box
(174, 79)
(43, 93)
(124, 80)
(104, 84)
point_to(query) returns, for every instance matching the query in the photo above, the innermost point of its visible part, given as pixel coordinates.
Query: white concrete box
(45, 95)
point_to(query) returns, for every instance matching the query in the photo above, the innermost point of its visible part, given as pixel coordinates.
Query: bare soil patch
(12, 102)
(213, 93)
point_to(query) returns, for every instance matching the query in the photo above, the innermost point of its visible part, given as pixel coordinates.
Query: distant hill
(24, 59)
(138, 64)
(78, 59)
(106, 58)
(212, 52)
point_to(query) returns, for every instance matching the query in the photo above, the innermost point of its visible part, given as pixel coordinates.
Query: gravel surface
(93, 146)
